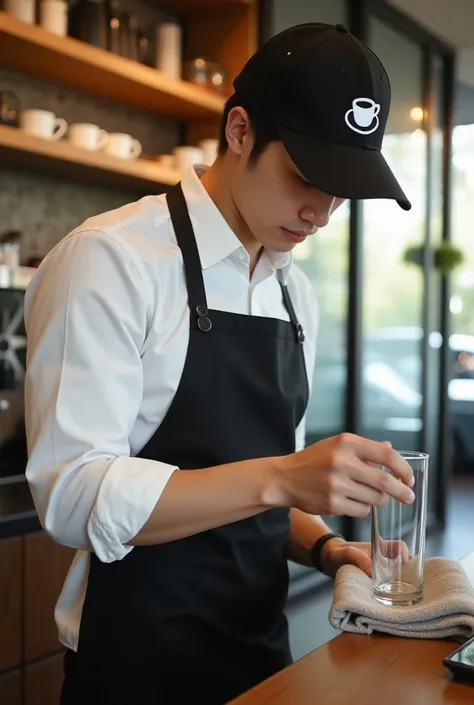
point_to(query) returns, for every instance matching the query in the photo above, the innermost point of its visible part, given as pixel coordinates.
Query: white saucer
(374, 125)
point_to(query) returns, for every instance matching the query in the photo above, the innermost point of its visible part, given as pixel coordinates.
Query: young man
(171, 346)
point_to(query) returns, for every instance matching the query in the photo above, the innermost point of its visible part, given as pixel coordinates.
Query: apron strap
(193, 268)
(300, 336)
(187, 242)
(192, 262)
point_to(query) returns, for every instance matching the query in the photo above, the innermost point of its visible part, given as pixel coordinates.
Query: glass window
(393, 289)
(435, 340)
(325, 260)
(461, 386)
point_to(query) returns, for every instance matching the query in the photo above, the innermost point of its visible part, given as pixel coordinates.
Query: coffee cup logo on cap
(363, 117)
(329, 97)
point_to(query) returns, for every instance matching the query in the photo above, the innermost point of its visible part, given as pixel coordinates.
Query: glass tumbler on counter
(398, 541)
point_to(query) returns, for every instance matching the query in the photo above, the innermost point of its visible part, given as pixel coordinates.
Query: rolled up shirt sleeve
(86, 315)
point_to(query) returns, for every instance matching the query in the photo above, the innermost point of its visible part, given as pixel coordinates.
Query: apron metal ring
(204, 324)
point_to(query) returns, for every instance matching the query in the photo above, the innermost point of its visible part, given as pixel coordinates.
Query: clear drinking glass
(398, 541)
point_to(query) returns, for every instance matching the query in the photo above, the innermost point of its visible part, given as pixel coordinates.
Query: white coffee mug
(24, 10)
(365, 110)
(209, 150)
(43, 123)
(88, 136)
(54, 16)
(187, 156)
(123, 146)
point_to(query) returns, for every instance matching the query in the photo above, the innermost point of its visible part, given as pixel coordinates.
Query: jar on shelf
(198, 71)
(145, 53)
(9, 109)
(115, 30)
(217, 78)
(133, 37)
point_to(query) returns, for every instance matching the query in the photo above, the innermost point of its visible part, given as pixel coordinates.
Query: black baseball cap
(329, 96)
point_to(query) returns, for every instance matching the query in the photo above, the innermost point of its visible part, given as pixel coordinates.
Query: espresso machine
(13, 449)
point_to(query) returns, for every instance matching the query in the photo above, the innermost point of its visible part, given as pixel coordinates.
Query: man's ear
(237, 130)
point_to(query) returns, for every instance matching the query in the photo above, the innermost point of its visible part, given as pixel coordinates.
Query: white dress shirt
(107, 323)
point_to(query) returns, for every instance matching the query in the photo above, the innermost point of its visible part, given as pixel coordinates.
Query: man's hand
(337, 552)
(341, 476)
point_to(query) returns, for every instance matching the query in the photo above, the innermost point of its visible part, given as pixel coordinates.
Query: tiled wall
(45, 208)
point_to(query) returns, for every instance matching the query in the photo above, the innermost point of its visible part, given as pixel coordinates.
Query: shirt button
(241, 257)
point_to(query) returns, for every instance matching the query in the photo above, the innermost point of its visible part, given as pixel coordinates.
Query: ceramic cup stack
(85, 135)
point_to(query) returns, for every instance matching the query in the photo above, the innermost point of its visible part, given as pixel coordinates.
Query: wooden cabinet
(10, 688)
(46, 567)
(10, 603)
(43, 682)
(32, 573)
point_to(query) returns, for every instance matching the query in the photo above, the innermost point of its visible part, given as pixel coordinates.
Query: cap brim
(342, 170)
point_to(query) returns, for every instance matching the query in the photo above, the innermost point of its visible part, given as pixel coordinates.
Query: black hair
(263, 129)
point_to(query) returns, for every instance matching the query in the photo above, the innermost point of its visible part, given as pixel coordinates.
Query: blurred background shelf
(21, 150)
(189, 6)
(34, 51)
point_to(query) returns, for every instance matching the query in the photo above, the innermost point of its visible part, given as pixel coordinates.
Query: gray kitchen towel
(446, 611)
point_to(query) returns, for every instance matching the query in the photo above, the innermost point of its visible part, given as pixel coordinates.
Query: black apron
(201, 619)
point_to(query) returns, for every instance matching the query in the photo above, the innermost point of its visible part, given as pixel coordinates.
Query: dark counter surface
(17, 512)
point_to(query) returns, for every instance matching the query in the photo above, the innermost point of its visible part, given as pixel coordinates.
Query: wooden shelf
(189, 6)
(35, 51)
(21, 150)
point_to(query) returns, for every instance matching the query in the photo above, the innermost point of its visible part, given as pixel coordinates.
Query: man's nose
(318, 214)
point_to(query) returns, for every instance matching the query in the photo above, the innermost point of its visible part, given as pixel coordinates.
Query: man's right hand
(337, 476)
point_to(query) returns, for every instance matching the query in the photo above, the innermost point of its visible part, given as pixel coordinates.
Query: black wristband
(316, 550)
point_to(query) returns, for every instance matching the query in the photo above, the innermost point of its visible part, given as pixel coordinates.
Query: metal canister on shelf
(124, 35)
(144, 49)
(89, 22)
(132, 38)
(168, 49)
(114, 26)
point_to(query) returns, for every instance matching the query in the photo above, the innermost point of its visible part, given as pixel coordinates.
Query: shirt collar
(215, 239)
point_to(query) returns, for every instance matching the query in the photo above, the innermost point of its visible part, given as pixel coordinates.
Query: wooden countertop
(368, 670)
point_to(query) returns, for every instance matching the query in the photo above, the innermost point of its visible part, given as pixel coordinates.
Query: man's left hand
(336, 553)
